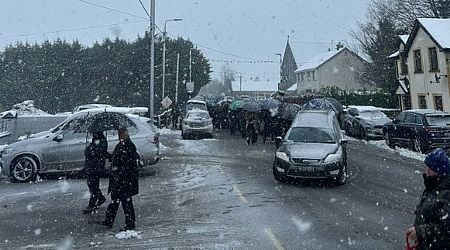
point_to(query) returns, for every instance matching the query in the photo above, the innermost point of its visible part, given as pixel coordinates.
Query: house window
(422, 102)
(438, 103)
(308, 76)
(313, 75)
(403, 66)
(302, 77)
(417, 62)
(434, 66)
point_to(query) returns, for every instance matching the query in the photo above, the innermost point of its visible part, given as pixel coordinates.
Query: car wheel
(342, 177)
(388, 140)
(24, 169)
(277, 175)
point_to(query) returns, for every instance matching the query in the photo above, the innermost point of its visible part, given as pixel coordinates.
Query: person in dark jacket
(431, 228)
(95, 157)
(123, 183)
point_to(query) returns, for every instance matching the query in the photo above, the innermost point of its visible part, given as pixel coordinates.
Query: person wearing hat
(431, 228)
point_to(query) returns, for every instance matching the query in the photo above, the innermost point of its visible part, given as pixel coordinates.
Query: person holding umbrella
(95, 158)
(431, 228)
(124, 181)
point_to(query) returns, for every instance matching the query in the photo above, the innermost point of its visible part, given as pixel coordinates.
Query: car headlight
(282, 156)
(6, 151)
(333, 158)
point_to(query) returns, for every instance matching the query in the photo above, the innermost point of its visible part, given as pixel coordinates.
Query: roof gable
(321, 59)
(436, 28)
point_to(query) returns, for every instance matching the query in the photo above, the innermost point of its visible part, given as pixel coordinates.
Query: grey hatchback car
(61, 149)
(314, 147)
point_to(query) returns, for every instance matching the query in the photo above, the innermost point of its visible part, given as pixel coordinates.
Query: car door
(394, 129)
(408, 129)
(65, 151)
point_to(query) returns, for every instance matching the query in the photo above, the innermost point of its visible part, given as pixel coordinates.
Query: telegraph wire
(111, 9)
(143, 6)
(70, 30)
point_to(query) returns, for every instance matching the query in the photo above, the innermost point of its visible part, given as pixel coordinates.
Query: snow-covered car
(365, 122)
(62, 148)
(195, 104)
(313, 148)
(197, 123)
(91, 106)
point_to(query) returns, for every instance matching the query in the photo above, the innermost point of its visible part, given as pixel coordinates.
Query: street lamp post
(164, 54)
(152, 60)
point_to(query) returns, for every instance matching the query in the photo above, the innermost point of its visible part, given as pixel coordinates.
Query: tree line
(378, 35)
(60, 75)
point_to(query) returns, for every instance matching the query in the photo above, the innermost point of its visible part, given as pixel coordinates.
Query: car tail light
(155, 139)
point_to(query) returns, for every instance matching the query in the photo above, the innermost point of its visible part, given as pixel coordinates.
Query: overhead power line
(111, 9)
(143, 6)
(69, 30)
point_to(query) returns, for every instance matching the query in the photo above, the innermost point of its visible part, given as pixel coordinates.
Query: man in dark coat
(123, 183)
(431, 228)
(95, 158)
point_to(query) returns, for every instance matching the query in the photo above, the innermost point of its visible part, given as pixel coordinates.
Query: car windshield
(191, 106)
(198, 115)
(311, 135)
(438, 120)
(371, 114)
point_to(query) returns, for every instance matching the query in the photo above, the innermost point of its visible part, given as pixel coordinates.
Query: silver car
(61, 149)
(197, 123)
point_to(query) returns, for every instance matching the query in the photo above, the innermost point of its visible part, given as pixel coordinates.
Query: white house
(339, 68)
(428, 61)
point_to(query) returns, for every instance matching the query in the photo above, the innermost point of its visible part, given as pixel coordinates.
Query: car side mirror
(59, 138)
(344, 141)
(278, 141)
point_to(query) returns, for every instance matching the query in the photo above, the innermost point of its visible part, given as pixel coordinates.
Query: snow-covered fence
(164, 120)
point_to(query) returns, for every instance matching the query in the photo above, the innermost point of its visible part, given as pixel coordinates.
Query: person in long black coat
(431, 228)
(95, 158)
(124, 181)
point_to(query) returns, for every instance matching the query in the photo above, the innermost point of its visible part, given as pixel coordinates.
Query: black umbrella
(251, 106)
(106, 121)
(288, 111)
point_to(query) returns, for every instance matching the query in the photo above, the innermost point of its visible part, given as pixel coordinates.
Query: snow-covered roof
(318, 60)
(123, 110)
(438, 29)
(254, 86)
(395, 54)
(404, 38)
(292, 88)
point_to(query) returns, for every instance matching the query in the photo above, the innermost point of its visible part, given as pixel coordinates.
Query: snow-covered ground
(401, 151)
(167, 131)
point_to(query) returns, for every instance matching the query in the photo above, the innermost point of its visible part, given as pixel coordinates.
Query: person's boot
(89, 210)
(100, 201)
(105, 223)
(128, 227)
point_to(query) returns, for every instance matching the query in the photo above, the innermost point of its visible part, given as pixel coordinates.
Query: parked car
(314, 147)
(197, 123)
(62, 148)
(365, 122)
(195, 104)
(421, 130)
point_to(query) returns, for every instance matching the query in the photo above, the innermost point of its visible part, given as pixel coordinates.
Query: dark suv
(421, 130)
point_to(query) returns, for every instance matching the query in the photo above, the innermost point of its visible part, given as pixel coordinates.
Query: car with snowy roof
(314, 147)
(61, 149)
(365, 122)
(197, 122)
(419, 129)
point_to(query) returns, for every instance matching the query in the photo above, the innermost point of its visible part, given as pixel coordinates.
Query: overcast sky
(255, 29)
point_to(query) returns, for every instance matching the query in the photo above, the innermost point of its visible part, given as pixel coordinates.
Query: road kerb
(276, 243)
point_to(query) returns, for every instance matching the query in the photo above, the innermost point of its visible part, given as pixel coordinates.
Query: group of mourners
(251, 125)
(123, 180)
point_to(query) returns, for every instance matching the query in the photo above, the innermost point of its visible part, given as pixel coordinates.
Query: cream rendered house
(428, 59)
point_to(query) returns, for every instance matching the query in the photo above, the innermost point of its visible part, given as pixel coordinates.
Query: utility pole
(281, 69)
(164, 55)
(240, 84)
(190, 65)
(176, 80)
(152, 59)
